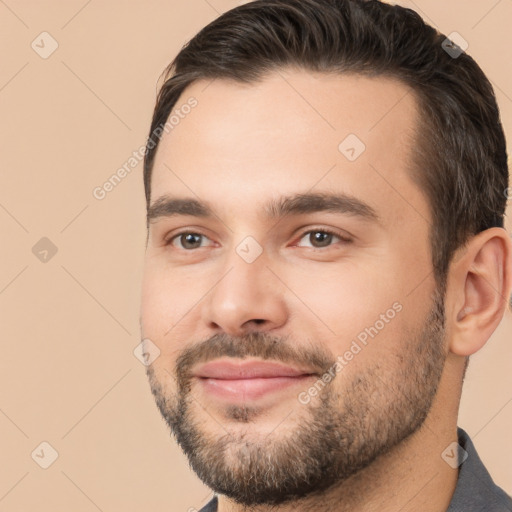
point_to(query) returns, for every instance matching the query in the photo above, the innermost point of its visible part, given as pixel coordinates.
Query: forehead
(292, 132)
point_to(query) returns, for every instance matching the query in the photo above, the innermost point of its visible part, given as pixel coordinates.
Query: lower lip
(250, 389)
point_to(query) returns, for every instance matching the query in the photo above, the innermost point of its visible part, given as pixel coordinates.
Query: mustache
(255, 344)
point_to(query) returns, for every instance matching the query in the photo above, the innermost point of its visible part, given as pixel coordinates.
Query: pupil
(322, 238)
(191, 239)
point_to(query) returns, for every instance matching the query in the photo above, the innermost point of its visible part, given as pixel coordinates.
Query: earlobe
(481, 281)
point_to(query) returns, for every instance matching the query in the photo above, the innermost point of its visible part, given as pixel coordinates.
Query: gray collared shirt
(475, 490)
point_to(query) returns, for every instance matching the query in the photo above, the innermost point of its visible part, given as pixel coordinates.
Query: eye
(187, 240)
(320, 238)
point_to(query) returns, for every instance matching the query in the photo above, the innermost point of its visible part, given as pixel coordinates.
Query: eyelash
(344, 239)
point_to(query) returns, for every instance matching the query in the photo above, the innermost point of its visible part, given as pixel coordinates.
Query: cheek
(168, 311)
(166, 297)
(153, 304)
(346, 297)
(158, 313)
(359, 311)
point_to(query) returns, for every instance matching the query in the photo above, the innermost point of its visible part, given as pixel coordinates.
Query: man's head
(346, 120)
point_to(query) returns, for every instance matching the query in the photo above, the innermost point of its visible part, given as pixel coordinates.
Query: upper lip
(222, 369)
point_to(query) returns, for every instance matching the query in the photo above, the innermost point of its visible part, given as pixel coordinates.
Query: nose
(248, 297)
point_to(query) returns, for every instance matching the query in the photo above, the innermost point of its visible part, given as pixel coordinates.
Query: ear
(480, 283)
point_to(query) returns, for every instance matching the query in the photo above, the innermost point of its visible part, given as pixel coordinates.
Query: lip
(230, 370)
(247, 381)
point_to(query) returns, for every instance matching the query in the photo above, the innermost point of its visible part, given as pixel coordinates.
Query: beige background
(68, 375)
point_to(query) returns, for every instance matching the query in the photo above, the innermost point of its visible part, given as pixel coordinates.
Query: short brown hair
(459, 159)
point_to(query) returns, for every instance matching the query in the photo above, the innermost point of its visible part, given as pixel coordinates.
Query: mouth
(249, 380)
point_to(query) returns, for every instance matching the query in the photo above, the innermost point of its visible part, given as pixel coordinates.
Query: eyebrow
(166, 206)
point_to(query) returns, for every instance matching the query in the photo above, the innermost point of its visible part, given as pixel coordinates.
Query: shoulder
(211, 506)
(475, 490)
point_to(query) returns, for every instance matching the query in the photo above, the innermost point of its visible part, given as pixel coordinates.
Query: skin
(246, 144)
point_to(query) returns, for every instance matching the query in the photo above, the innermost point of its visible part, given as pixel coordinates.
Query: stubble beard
(331, 439)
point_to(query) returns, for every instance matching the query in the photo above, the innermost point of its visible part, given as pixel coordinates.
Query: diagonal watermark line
(420, 490)
(97, 402)
(13, 279)
(320, 179)
(506, 299)
(410, 204)
(421, 282)
(74, 218)
(88, 497)
(503, 407)
(431, 21)
(300, 299)
(165, 165)
(13, 13)
(14, 76)
(14, 423)
(71, 71)
(13, 217)
(305, 100)
(76, 14)
(194, 305)
(279, 423)
(208, 84)
(486, 14)
(207, 2)
(386, 113)
(14, 485)
(495, 85)
(96, 300)
(204, 501)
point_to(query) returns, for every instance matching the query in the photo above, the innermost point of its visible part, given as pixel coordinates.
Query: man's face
(280, 271)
